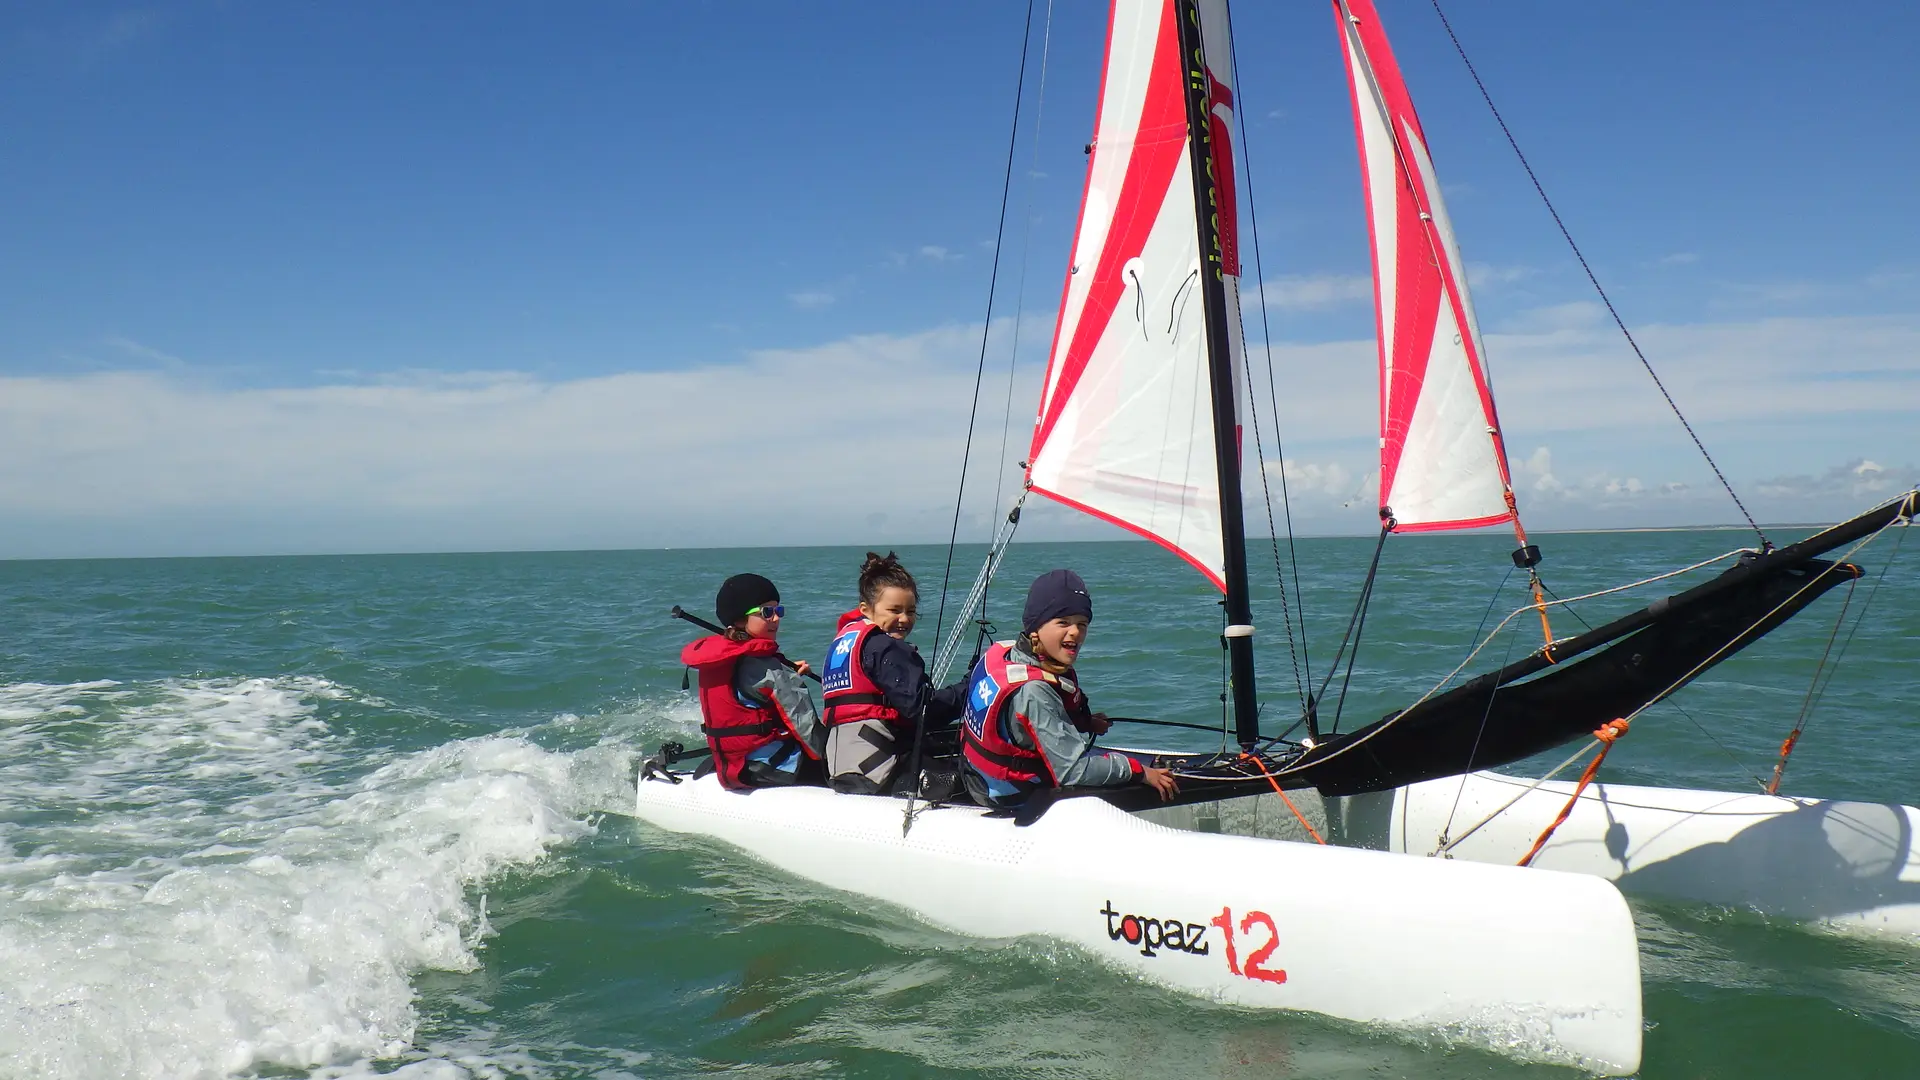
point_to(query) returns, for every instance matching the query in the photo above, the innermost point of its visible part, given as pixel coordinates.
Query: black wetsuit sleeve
(896, 668)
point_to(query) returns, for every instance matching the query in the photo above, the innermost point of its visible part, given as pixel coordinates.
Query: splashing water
(197, 881)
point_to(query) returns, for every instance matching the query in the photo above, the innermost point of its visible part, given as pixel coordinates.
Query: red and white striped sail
(1125, 428)
(1443, 464)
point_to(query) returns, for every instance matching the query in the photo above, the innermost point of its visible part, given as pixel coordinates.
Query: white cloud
(144, 462)
(1535, 472)
(1771, 397)
(148, 461)
(1679, 258)
(1329, 481)
(811, 299)
(1301, 292)
(936, 253)
(1485, 276)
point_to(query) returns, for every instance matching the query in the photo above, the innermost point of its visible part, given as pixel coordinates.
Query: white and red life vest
(850, 695)
(734, 723)
(985, 744)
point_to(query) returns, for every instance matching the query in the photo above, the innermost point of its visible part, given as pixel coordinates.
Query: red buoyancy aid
(735, 724)
(985, 744)
(849, 693)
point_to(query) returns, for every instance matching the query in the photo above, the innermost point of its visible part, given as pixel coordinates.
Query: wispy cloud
(1486, 276)
(1744, 293)
(1303, 292)
(145, 352)
(1859, 478)
(811, 299)
(925, 253)
(1679, 258)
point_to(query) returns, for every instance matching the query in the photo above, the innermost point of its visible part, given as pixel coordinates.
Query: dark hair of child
(881, 572)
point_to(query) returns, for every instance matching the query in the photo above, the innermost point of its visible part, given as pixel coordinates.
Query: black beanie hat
(1055, 594)
(740, 594)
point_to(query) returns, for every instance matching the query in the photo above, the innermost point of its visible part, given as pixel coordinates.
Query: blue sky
(374, 277)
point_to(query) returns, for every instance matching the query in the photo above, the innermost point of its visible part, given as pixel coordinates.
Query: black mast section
(1238, 638)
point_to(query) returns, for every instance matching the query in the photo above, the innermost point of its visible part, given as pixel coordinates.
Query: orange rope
(1786, 749)
(1546, 628)
(1539, 598)
(1608, 733)
(1297, 815)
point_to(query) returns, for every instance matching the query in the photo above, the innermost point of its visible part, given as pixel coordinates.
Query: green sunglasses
(767, 611)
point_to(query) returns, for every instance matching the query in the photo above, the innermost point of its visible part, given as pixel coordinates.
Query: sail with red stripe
(1443, 464)
(1125, 430)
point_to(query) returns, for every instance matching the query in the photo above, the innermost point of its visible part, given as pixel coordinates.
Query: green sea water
(352, 816)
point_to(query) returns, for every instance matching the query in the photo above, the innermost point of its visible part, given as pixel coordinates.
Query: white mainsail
(1125, 429)
(1443, 463)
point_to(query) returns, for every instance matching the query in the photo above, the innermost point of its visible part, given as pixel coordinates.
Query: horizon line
(1459, 533)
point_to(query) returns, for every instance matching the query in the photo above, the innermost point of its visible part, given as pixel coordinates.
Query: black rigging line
(993, 280)
(1026, 258)
(1019, 312)
(1486, 714)
(1355, 627)
(1300, 679)
(1816, 699)
(1617, 321)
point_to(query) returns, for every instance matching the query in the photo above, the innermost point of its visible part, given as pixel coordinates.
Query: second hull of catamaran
(1521, 958)
(1850, 865)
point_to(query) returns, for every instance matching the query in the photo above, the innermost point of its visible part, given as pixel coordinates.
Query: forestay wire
(1765, 544)
(986, 329)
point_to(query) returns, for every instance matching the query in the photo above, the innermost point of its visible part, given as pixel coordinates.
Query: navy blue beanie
(1055, 594)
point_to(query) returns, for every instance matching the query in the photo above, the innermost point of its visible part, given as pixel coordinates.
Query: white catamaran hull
(1850, 865)
(1520, 956)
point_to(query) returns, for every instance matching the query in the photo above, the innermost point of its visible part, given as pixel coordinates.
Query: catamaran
(1139, 425)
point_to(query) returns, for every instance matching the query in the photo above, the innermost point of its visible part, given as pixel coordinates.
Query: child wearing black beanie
(755, 708)
(1027, 723)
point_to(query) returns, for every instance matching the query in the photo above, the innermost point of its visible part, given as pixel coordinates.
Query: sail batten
(1126, 426)
(1443, 463)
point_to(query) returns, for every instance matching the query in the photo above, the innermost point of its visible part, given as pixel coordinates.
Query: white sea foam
(199, 876)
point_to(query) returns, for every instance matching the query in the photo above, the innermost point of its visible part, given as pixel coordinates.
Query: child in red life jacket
(755, 710)
(875, 684)
(1027, 723)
